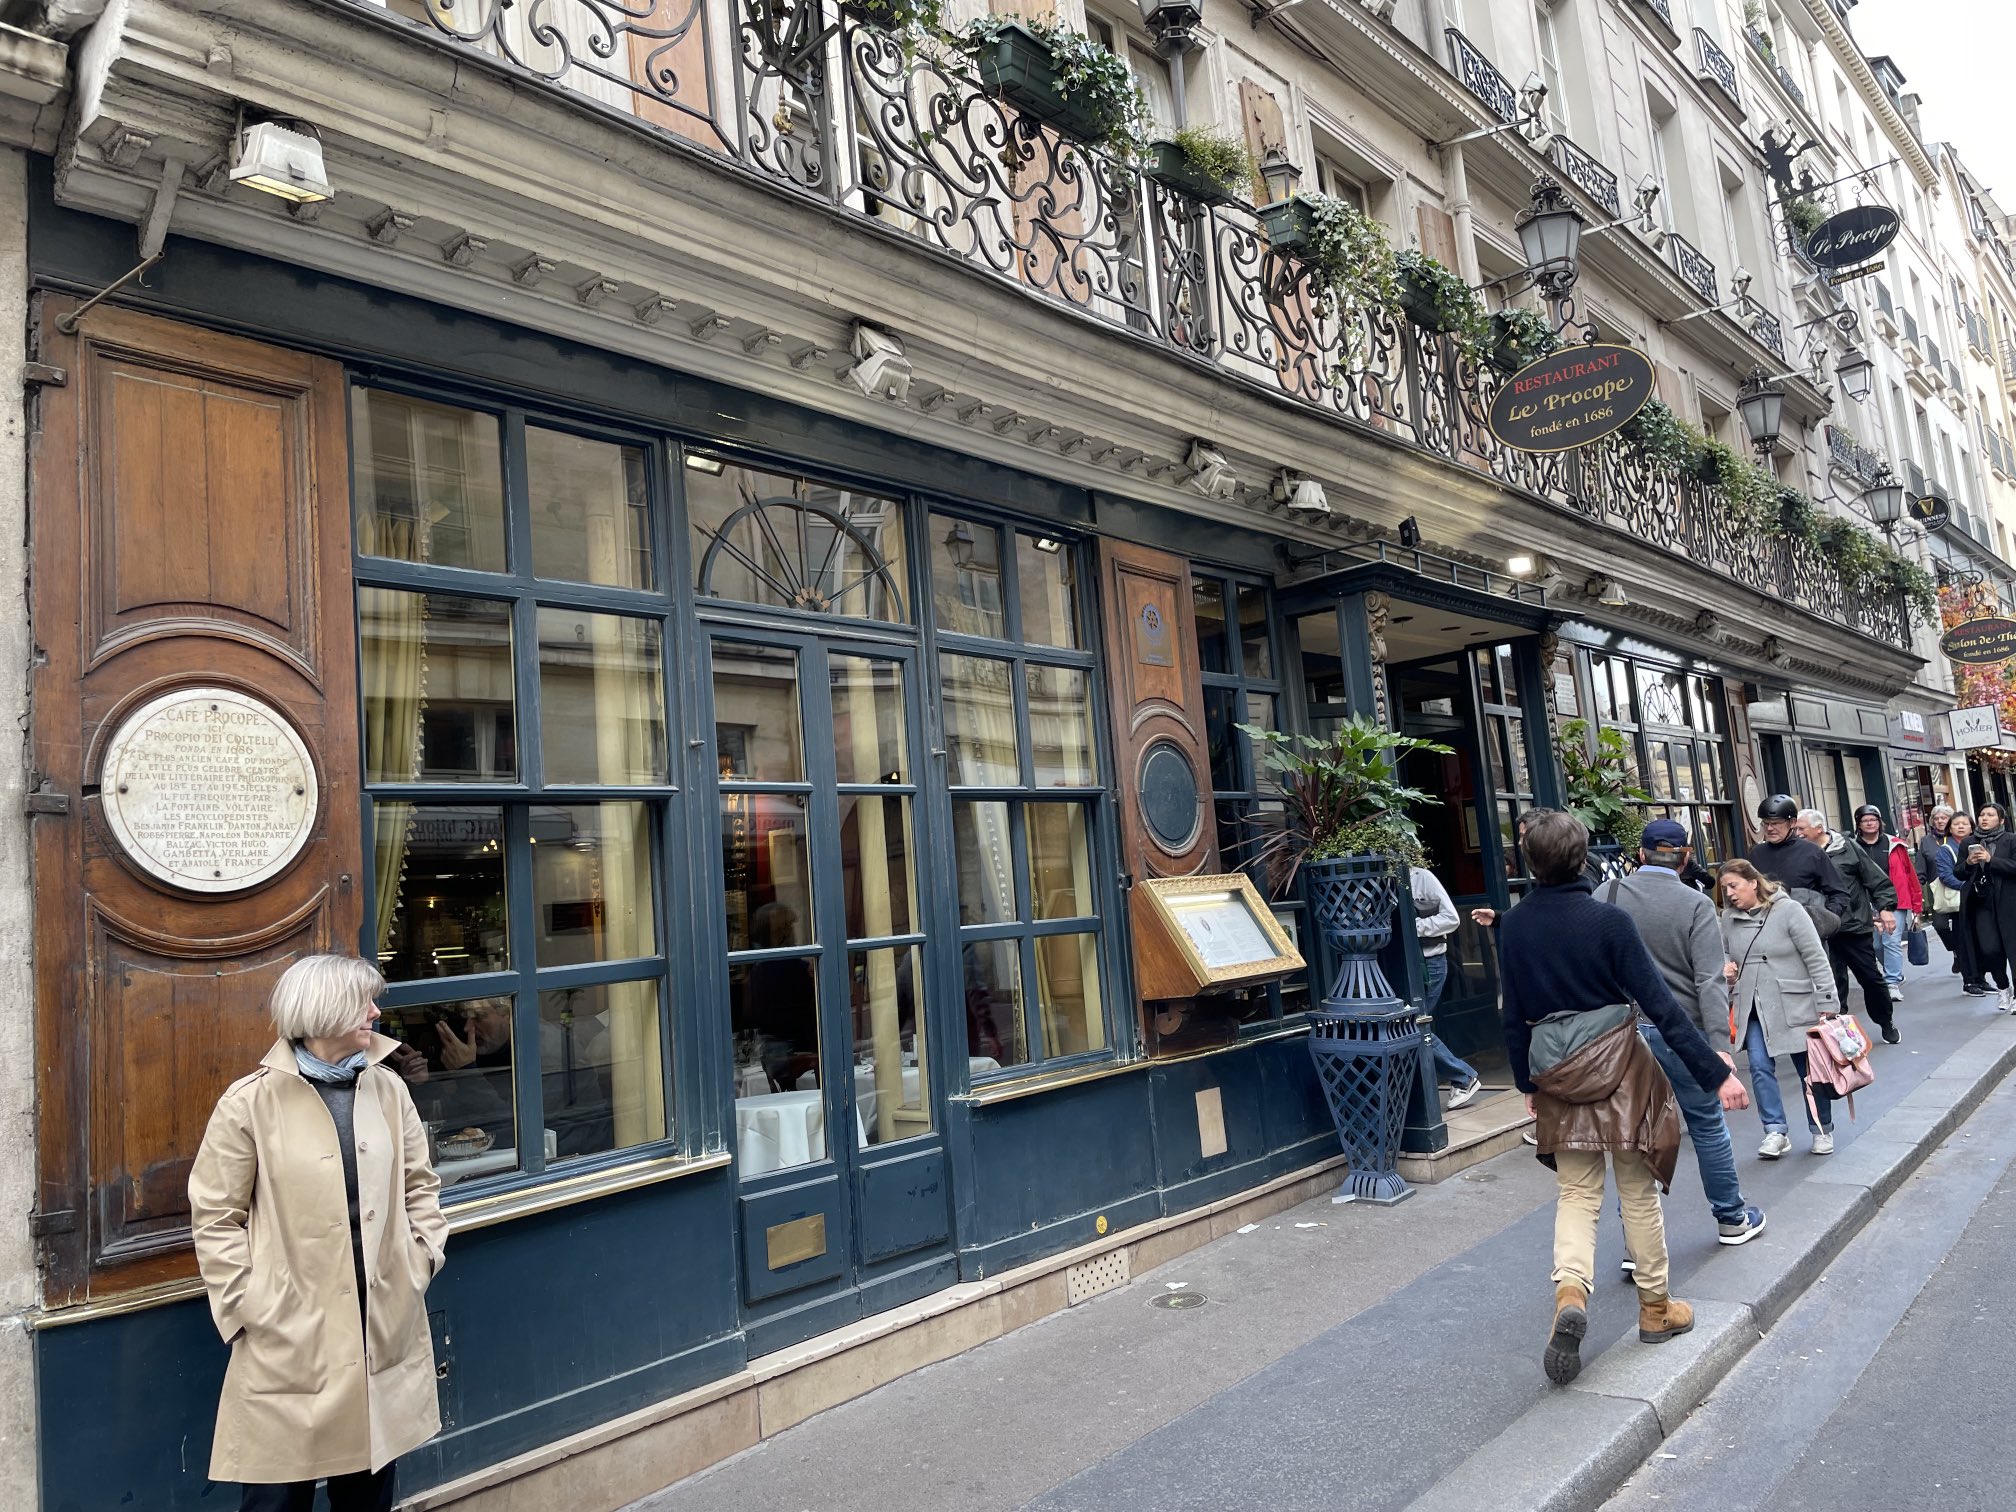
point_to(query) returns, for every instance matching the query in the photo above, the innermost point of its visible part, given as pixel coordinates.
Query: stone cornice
(1849, 55)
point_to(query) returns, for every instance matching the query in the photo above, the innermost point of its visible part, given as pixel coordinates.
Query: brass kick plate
(800, 1239)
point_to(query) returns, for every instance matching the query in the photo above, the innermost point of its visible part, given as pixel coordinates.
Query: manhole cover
(1178, 1301)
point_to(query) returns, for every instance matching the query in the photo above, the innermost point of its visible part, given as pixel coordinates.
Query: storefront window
(520, 935)
(1022, 754)
(793, 543)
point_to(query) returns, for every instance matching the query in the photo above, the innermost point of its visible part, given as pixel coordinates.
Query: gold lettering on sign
(800, 1239)
(209, 789)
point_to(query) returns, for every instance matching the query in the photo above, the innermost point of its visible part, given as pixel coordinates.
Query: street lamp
(1885, 499)
(1856, 373)
(1761, 403)
(1279, 175)
(1550, 234)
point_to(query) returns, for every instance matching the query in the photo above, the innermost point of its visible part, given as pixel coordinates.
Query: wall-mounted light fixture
(1761, 403)
(1301, 495)
(1608, 592)
(880, 369)
(285, 161)
(1522, 564)
(1210, 473)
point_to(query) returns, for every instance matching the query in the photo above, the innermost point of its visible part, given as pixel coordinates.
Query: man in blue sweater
(1570, 969)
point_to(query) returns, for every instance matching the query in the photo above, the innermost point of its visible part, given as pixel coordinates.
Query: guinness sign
(1571, 398)
(1853, 237)
(1981, 642)
(1932, 512)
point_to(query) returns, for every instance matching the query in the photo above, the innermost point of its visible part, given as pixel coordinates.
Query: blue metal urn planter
(1365, 1041)
(1018, 67)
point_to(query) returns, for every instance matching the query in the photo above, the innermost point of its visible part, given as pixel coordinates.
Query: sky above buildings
(1954, 52)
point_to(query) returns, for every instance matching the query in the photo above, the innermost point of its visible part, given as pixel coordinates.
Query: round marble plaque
(209, 789)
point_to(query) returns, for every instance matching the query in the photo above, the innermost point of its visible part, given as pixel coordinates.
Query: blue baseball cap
(1665, 834)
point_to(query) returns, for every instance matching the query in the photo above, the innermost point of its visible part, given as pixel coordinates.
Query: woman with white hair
(317, 1283)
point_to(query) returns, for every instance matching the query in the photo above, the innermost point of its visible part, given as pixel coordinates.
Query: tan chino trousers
(1580, 1209)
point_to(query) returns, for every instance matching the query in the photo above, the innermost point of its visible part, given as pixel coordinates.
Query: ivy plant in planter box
(1208, 164)
(1858, 557)
(1796, 520)
(926, 16)
(1350, 266)
(1060, 77)
(1438, 300)
(1663, 437)
(1519, 337)
(1902, 575)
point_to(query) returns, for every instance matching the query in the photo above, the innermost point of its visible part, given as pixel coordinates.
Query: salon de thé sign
(1571, 398)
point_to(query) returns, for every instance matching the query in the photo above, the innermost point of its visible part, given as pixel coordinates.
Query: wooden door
(189, 529)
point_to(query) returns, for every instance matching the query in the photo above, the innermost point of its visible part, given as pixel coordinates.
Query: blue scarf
(315, 1068)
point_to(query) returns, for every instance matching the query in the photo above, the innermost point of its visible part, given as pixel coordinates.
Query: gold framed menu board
(1193, 934)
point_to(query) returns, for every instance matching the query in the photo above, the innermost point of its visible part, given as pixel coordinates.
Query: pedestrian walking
(1872, 905)
(1435, 920)
(319, 1287)
(1946, 900)
(1571, 968)
(1990, 908)
(1894, 854)
(1680, 929)
(1794, 862)
(1783, 985)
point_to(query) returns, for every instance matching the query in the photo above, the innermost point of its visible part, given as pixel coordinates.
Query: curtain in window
(393, 636)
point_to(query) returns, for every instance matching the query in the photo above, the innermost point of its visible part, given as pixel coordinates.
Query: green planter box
(1506, 354)
(1171, 169)
(1418, 304)
(1290, 225)
(1019, 68)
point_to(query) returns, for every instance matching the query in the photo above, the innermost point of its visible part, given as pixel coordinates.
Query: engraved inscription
(209, 789)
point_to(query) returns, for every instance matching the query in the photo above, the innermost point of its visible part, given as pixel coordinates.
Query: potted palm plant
(1600, 790)
(1060, 77)
(1206, 163)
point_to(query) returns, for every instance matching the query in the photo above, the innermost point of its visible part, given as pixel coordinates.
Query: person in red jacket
(1895, 854)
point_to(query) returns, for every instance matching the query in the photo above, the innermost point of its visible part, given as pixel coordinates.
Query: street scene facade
(922, 639)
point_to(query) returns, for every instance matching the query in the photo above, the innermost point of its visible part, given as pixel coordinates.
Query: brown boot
(1563, 1359)
(1662, 1318)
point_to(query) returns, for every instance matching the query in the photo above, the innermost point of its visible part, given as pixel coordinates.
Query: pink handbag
(1837, 1058)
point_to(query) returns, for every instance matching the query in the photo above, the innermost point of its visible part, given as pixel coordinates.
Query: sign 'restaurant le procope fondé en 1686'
(1571, 398)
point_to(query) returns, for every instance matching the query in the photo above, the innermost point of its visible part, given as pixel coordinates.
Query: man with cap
(1679, 927)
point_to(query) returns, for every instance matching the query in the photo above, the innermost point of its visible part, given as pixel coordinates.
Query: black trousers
(362, 1492)
(1856, 954)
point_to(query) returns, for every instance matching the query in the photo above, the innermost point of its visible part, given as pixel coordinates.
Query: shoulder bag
(1837, 1058)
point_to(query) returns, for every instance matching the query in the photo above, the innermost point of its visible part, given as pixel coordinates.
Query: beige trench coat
(307, 1393)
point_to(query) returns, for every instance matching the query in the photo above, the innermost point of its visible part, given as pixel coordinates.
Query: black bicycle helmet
(1778, 806)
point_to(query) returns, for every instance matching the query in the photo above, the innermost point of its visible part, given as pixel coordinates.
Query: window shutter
(1437, 229)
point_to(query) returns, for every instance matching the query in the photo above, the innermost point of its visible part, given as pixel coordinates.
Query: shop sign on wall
(1931, 511)
(1571, 398)
(209, 789)
(1981, 642)
(1976, 728)
(1853, 237)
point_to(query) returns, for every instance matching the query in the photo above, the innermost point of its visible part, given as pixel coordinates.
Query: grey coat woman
(1782, 987)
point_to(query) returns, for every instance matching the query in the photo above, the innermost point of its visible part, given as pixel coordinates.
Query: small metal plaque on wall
(800, 1239)
(1152, 647)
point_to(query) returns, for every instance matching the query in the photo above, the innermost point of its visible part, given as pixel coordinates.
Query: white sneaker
(1775, 1145)
(1823, 1142)
(2006, 1003)
(1896, 992)
(1465, 1093)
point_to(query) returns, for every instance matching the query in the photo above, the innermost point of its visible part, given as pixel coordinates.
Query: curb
(1572, 1450)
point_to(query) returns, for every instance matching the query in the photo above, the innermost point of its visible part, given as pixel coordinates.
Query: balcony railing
(1717, 67)
(1769, 328)
(1853, 458)
(910, 142)
(1588, 175)
(1660, 9)
(1769, 53)
(1477, 75)
(1695, 270)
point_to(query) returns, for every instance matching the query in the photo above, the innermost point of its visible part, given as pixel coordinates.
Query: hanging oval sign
(1853, 237)
(1931, 511)
(1981, 642)
(1571, 398)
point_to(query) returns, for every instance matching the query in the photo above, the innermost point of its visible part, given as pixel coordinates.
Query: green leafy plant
(1599, 789)
(1665, 439)
(1522, 335)
(1857, 555)
(927, 16)
(1350, 263)
(1088, 73)
(1804, 214)
(1796, 519)
(1442, 298)
(1902, 575)
(1342, 797)
(1213, 153)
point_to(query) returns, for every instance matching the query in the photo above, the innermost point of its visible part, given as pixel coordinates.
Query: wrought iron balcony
(1853, 458)
(1694, 268)
(1769, 328)
(1769, 53)
(1717, 67)
(1588, 175)
(1481, 78)
(832, 109)
(1660, 9)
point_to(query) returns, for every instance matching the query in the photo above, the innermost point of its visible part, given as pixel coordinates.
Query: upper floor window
(1551, 72)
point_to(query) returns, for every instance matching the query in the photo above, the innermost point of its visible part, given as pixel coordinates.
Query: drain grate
(1178, 1301)
(1091, 1277)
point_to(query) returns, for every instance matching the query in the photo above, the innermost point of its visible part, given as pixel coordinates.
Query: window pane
(601, 697)
(892, 1092)
(1068, 988)
(1060, 727)
(428, 483)
(440, 891)
(1322, 657)
(1049, 591)
(438, 696)
(1662, 696)
(1219, 736)
(768, 538)
(780, 1111)
(468, 1100)
(979, 695)
(868, 743)
(1207, 601)
(1708, 706)
(1254, 639)
(601, 1067)
(764, 860)
(591, 883)
(756, 731)
(993, 975)
(966, 596)
(591, 510)
(985, 855)
(1260, 711)
(1506, 675)
(875, 867)
(1060, 862)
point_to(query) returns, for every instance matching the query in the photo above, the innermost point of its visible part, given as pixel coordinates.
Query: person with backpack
(1988, 865)
(1782, 985)
(1872, 904)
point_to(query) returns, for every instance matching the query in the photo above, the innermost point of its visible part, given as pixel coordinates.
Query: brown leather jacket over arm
(1610, 1095)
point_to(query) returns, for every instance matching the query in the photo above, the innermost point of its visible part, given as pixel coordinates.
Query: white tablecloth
(779, 1129)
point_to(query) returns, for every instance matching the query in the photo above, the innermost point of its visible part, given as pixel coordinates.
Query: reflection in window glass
(1219, 735)
(1060, 726)
(979, 697)
(1067, 968)
(892, 1093)
(591, 510)
(601, 697)
(757, 736)
(1048, 591)
(790, 543)
(437, 688)
(1322, 657)
(1207, 599)
(984, 851)
(600, 1067)
(441, 891)
(1254, 640)
(966, 595)
(881, 894)
(1060, 862)
(428, 483)
(868, 744)
(993, 978)
(591, 883)
(765, 862)
(780, 1112)
(467, 1102)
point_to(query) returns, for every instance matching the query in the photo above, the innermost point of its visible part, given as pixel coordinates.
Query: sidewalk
(1349, 1357)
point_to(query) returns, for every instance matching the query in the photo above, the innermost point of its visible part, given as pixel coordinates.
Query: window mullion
(520, 913)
